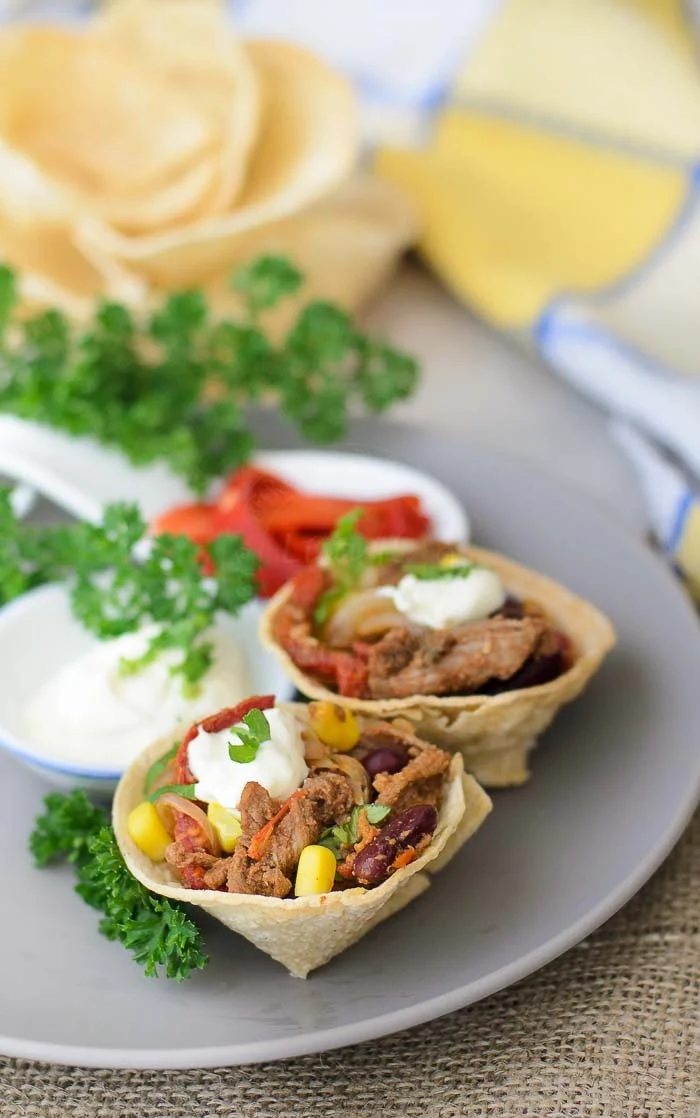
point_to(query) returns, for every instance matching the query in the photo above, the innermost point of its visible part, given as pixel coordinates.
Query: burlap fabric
(611, 1030)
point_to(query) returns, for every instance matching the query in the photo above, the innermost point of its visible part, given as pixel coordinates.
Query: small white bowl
(39, 635)
(82, 477)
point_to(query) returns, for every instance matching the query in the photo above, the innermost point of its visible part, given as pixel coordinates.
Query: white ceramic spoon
(82, 477)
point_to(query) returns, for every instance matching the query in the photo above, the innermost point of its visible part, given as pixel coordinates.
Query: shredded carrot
(404, 858)
(261, 838)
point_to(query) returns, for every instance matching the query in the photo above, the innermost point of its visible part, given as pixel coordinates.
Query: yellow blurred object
(147, 831)
(336, 726)
(557, 168)
(453, 559)
(316, 871)
(227, 826)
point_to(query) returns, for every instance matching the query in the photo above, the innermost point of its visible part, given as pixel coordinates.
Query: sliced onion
(314, 749)
(170, 802)
(359, 615)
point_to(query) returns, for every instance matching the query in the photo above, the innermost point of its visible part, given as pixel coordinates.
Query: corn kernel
(316, 871)
(336, 726)
(452, 559)
(227, 826)
(146, 829)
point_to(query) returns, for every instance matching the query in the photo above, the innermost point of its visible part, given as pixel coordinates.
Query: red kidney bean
(373, 865)
(387, 759)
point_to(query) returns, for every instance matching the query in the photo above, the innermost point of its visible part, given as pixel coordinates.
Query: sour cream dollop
(439, 603)
(279, 764)
(93, 714)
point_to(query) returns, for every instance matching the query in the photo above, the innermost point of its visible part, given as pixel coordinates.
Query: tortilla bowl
(494, 733)
(303, 933)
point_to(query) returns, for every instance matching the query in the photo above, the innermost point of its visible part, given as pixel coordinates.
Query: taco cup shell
(303, 933)
(494, 733)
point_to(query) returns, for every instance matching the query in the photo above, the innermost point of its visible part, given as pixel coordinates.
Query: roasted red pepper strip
(213, 724)
(261, 838)
(285, 527)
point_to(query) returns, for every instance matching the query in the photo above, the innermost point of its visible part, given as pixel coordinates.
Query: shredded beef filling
(327, 798)
(409, 662)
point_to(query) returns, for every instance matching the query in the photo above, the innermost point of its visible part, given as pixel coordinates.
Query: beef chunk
(462, 659)
(326, 798)
(419, 782)
(331, 796)
(391, 573)
(256, 807)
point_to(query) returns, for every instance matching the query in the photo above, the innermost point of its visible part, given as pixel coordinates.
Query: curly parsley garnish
(344, 835)
(252, 732)
(158, 932)
(115, 590)
(174, 385)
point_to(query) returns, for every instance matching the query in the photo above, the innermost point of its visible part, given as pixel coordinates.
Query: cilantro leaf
(346, 552)
(174, 385)
(159, 766)
(344, 835)
(430, 572)
(158, 932)
(187, 791)
(251, 732)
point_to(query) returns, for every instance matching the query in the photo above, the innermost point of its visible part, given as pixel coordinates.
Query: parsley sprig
(343, 836)
(251, 733)
(158, 932)
(114, 589)
(174, 385)
(346, 554)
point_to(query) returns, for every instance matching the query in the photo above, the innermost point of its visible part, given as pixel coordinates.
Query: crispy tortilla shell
(303, 933)
(494, 733)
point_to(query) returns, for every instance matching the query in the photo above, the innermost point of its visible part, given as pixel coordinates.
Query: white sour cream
(279, 764)
(91, 713)
(441, 602)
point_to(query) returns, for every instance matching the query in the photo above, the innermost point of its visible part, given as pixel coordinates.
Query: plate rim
(310, 1041)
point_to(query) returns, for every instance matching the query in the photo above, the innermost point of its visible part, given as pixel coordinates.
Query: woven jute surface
(611, 1030)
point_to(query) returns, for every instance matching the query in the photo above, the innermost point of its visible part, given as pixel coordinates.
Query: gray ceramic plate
(614, 783)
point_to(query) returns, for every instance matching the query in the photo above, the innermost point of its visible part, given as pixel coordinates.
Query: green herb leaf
(341, 838)
(252, 732)
(187, 791)
(158, 767)
(346, 553)
(430, 572)
(173, 386)
(65, 829)
(157, 931)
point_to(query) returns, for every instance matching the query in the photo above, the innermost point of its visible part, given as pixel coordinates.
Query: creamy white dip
(279, 764)
(91, 713)
(441, 602)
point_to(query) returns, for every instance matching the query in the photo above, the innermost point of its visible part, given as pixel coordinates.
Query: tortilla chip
(306, 147)
(303, 933)
(188, 43)
(495, 734)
